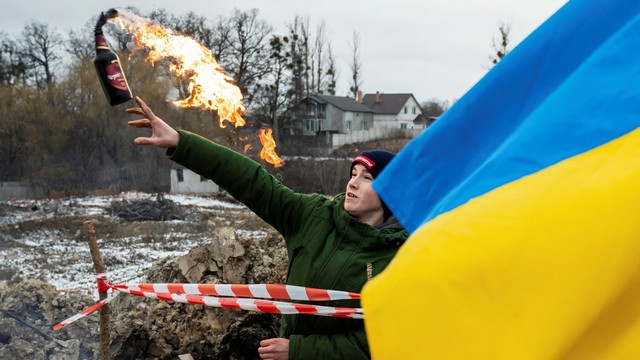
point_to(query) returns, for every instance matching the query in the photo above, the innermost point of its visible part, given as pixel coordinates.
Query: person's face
(362, 202)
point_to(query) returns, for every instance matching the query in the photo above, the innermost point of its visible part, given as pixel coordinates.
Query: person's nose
(353, 182)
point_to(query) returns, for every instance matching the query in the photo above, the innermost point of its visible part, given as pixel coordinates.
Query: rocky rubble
(148, 329)
(143, 328)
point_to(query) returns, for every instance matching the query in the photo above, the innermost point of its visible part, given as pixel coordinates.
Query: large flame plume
(209, 87)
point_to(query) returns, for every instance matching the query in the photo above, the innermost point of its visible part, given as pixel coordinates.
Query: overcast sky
(431, 48)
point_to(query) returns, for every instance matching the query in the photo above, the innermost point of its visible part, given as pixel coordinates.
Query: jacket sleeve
(350, 345)
(244, 179)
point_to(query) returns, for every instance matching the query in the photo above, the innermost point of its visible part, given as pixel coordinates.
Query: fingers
(145, 109)
(266, 342)
(144, 141)
(136, 111)
(140, 123)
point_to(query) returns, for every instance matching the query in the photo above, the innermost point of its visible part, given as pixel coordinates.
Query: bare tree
(500, 45)
(8, 68)
(434, 107)
(332, 71)
(14, 146)
(81, 43)
(39, 48)
(221, 46)
(356, 66)
(305, 46)
(197, 27)
(297, 60)
(248, 55)
(272, 103)
(319, 59)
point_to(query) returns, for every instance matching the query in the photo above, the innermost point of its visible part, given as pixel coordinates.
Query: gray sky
(431, 48)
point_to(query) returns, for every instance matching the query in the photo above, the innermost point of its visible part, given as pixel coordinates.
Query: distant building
(332, 114)
(395, 111)
(11, 190)
(185, 181)
(323, 123)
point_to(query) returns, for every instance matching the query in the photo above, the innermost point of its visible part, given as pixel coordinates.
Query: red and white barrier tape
(277, 307)
(200, 294)
(86, 311)
(263, 291)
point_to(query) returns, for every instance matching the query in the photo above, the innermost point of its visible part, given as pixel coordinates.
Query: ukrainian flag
(523, 204)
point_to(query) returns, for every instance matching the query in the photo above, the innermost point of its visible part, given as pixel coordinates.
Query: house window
(364, 125)
(403, 126)
(321, 111)
(203, 179)
(311, 109)
(405, 110)
(180, 175)
(348, 125)
(414, 110)
(311, 125)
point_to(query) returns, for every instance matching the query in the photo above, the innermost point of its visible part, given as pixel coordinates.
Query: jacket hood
(389, 233)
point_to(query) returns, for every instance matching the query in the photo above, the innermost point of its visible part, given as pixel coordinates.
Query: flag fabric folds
(522, 209)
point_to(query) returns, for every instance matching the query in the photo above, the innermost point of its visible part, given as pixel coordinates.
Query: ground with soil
(46, 275)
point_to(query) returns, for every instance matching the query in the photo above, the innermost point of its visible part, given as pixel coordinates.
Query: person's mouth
(351, 195)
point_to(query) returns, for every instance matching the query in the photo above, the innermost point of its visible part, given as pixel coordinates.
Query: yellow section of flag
(545, 267)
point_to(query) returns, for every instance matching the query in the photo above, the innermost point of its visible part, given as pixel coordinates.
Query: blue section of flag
(572, 85)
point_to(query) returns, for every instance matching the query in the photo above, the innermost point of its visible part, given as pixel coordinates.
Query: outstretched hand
(162, 135)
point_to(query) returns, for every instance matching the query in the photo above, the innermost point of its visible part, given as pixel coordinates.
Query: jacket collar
(389, 233)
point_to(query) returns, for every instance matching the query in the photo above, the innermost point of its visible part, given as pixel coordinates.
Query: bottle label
(115, 76)
(101, 43)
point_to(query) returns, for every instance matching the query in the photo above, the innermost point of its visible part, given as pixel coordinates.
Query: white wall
(191, 183)
(10, 190)
(338, 140)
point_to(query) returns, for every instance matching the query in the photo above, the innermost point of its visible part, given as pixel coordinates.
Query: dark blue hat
(375, 161)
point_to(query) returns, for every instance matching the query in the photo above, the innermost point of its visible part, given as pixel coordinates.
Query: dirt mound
(29, 308)
(150, 329)
(228, 244)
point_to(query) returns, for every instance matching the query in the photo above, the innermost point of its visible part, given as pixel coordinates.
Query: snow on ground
(64, 260)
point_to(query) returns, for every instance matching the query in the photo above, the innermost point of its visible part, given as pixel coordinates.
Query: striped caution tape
(277, 307)
(236, 297)
(263, 291)
(86, 311)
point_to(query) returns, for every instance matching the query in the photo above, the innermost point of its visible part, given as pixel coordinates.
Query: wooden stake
(98, 267)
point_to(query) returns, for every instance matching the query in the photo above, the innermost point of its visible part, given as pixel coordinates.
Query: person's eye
(368, 177)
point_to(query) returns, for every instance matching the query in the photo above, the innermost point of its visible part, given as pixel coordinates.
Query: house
(394, 111)
(185, 181)
(333, 114)
(328, 122)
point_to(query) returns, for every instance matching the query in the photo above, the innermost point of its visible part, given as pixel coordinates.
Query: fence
(359, 136)
(20, 190)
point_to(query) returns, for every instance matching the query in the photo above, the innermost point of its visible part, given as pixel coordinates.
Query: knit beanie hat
(375, 161)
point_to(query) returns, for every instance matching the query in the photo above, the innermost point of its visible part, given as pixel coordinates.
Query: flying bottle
(107, 64)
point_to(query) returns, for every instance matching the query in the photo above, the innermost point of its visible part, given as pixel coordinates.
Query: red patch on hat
(368, 163)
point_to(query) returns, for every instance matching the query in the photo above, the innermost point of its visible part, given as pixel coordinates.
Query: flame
(209, 87)
(246, 148)
(268, 152)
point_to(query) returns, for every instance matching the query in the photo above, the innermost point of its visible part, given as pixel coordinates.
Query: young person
(336, 244)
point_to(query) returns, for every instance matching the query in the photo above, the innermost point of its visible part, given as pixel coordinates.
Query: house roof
(341, 102)
(389, 103)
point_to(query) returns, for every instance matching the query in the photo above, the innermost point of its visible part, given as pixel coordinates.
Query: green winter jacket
(326, 247)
